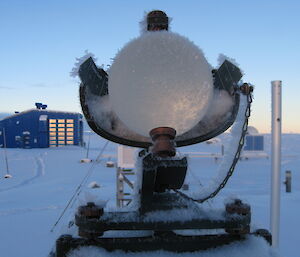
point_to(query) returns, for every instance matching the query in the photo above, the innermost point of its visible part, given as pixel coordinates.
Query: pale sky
(39, 41)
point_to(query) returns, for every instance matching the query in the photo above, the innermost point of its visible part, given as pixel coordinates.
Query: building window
(61, 132)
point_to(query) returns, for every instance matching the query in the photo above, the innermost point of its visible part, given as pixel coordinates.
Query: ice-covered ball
(160, 79)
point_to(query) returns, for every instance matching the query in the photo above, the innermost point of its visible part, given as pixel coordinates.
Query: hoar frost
(160, 79)
(79, 61)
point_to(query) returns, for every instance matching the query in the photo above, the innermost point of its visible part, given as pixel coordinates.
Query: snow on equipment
(110, 164)
(160, 206)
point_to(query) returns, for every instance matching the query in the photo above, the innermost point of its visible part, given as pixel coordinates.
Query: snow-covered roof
(38, 110)
(252, 130)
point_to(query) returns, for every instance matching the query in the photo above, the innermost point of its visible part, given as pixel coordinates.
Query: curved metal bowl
(95, 85)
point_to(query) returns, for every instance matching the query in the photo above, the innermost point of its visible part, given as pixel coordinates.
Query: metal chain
(247, 90)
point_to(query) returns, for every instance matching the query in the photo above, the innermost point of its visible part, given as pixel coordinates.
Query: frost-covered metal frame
(95, 83)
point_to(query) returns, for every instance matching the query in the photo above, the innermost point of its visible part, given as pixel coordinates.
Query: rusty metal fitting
(238, 207)
(163, 144)
(90, 211)
(246, 89)
(157, 20)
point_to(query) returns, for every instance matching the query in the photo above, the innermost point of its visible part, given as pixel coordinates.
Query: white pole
(5, 153)
(276, 161)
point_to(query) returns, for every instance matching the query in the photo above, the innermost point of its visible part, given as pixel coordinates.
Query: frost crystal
(79, 61)
(160, 79)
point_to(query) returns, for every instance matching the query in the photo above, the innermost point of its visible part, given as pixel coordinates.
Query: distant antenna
(38, 105)
(7, 175)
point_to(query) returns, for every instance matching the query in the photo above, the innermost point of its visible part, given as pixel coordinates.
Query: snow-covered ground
(44, 180)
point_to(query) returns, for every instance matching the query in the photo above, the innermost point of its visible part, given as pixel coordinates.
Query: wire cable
(78, 189)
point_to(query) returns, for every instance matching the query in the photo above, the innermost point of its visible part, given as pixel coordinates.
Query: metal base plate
(168, 241)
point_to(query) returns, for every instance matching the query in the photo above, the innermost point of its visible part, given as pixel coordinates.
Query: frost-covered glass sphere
(160, 79)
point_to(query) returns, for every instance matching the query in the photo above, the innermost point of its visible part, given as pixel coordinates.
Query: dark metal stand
(236, 227)
(165, 214)
(171, 242)
(160, 213)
